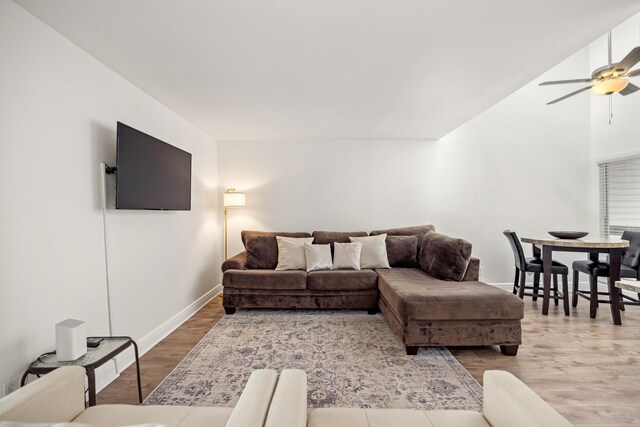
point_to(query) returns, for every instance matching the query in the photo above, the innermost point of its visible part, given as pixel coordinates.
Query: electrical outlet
(10, 386)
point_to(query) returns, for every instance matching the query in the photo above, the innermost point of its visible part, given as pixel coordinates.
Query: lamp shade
(233, 199)
(609, 86)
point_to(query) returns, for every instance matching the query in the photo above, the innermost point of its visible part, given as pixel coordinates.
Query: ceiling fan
(608, 79)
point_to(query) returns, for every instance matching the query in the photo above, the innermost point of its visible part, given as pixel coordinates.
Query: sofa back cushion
(402, 251)
(374, 251)
(329, 237)
(262, 248)
(419, 231)
(444, 257)
(245, 234)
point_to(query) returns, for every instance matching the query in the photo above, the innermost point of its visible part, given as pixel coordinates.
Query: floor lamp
(231, 199)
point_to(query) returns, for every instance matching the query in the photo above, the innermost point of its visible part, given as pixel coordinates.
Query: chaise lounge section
(425, 311)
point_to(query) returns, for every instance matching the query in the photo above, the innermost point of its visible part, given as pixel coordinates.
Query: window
(619, 196)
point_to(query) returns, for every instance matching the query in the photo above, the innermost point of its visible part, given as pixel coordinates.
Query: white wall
(58, 111)
(520, 165)
(327, 185)
(618, 139)
(621, 136)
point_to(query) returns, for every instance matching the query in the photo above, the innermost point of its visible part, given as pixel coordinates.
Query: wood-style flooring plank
(587, 369)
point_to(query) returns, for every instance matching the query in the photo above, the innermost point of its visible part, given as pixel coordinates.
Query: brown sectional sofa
(452, 309)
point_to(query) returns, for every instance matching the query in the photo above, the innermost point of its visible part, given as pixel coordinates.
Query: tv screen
(151, 174)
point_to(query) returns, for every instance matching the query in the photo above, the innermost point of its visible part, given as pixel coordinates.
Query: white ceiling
(330, 69)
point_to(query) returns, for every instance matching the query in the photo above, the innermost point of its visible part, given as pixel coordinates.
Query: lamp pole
(231, 199)
(225, 232)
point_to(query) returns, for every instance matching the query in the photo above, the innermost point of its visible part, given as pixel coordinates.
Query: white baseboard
(505, 286)
(108, 372)
(509, 286)
(584, 285)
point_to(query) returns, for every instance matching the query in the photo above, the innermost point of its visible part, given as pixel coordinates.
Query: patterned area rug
(352, 359)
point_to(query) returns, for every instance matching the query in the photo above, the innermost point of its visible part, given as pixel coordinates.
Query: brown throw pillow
(418, 230)
(330, 237)
(444, 257)
(262, 248)
(245, 234)
(402, 251)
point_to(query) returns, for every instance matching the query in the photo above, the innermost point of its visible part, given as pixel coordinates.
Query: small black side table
(95, 357)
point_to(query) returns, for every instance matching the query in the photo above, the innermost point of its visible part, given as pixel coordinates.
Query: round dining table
(594, 246)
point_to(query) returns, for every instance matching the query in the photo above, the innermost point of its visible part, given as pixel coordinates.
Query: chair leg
(523, 280)
(515, 282)
(621, 300)
(593, 288)
(555, 289)
(536, 285)
(576, 277)
(565, 293)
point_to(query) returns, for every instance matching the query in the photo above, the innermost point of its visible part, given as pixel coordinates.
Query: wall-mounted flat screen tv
(151, 174)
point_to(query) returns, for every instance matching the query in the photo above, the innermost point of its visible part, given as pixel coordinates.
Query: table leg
(91, 376)
(135, 349)
(23, 380)
(615, 256)
(546, 278)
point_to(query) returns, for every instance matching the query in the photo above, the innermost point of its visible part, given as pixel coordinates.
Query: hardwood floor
(589, 370)
(158, 362)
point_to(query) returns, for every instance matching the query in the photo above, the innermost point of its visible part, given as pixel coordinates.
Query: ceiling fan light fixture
(609, 86)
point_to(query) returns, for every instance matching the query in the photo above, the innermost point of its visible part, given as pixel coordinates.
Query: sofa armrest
(251, 410)
(509, 402)
(289, 403)
(57, 397)
(236, 262)
(473, 270)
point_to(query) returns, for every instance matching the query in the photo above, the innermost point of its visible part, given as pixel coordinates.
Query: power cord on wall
(104, 171)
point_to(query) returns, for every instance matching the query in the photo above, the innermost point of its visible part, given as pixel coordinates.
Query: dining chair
(533, 265)
(594, 268)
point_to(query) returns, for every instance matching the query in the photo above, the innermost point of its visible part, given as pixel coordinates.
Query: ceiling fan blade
(561, 82)
(631, 88)
(629, 61)
(633, 73)
(569, 95)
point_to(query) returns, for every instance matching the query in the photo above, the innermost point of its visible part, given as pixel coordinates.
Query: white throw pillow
(318, 257)
(374, 251)
(291, 253)
(347, 256)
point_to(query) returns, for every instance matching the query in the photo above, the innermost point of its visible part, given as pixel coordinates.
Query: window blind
(619, 183)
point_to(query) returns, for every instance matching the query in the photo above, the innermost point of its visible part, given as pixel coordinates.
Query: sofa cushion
(413, 294)
(291, 254)
(175, 416)
(444, 257)
(460, 418)
(418, 230)
(329, 237)
(318, 257)
(342, 280)
(374, 251)
(355, 417)
(262, 248)
(265, 279)
(402, 251)
(245, 234)
(346, 255)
